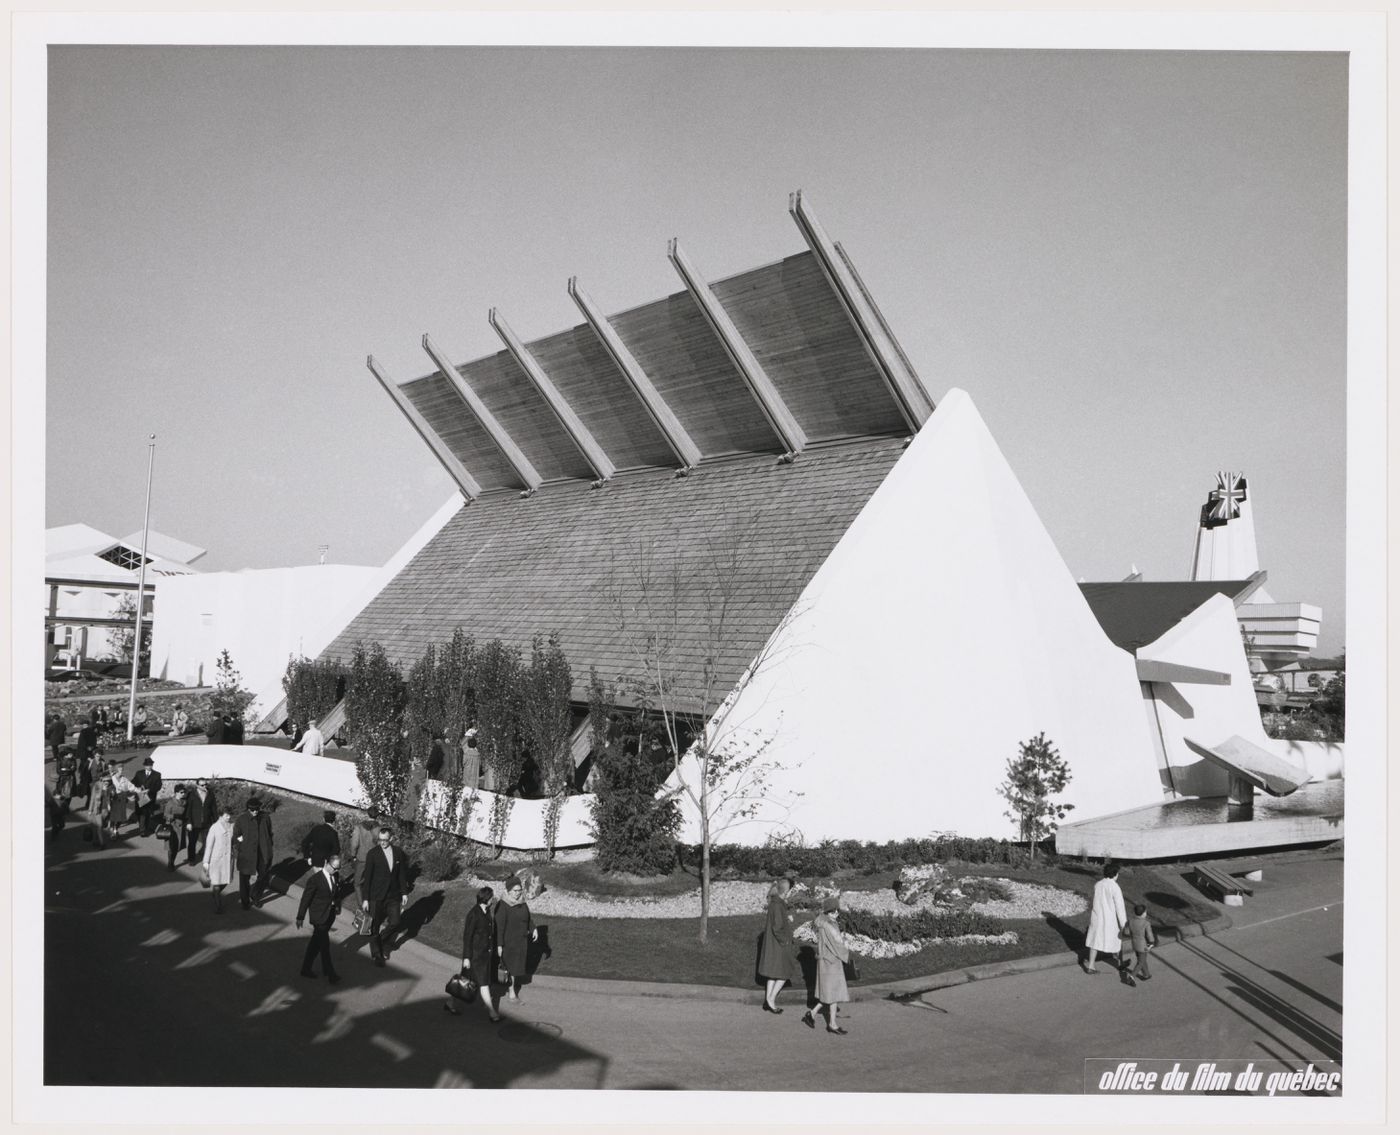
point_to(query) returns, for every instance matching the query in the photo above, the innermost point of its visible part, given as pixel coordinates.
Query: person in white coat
(1107, 917)
(218, 854)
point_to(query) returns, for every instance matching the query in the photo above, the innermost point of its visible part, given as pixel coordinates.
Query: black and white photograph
(806, 561)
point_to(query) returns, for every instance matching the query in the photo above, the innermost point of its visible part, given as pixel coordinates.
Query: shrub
(374, 718)
(437, 860)
(313, 687)
(925, 923)
(229, 697)
(634, 829)
(733, 861)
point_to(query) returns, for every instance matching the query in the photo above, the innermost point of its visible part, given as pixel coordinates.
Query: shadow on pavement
(145, 985)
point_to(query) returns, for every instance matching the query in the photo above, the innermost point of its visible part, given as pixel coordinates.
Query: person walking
(172, 814)
(322, 841)
(362, 841)
(200, 812)
(87, 741)
(100, 806)
(832, 956)
(214, 732)
(479, 952)
(311, 743)
(382, 893)
(515, 930)
(318, 898)
(218, 855)
(124, 797)
(147, 781)
(252, 850)
(777, 958)
(55, 732)
(1106, 918)
(233, 729)
(1138, 939)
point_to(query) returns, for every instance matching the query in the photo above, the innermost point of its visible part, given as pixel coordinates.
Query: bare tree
(685, 609)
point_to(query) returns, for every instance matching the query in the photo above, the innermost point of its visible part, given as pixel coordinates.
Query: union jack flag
(1225, 499)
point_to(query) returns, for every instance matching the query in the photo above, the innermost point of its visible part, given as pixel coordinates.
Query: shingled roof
(511, 567)
(1135, 613)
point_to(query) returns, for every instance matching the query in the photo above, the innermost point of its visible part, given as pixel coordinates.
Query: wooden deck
(1201, 826)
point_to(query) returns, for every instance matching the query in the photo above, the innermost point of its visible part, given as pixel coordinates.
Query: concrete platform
(1202, 826)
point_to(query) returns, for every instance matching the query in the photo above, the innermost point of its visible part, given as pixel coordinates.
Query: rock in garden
(531, 881)
(915, 882)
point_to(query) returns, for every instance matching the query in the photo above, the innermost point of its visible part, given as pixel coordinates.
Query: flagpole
(140, 592)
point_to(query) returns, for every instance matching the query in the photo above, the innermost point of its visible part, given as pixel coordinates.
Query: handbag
(463, 987)
(204, 876)
(850, 969)
(164, 830)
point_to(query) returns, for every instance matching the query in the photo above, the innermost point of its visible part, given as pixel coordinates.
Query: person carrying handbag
(172, 826)
(832, 956)
(479, 954)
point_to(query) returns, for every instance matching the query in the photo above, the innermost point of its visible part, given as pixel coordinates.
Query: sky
(1135, 264)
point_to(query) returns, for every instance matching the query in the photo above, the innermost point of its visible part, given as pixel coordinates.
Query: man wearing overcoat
(252, 852)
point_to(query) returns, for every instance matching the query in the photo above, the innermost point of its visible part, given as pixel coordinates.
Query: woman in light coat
(832, 955)
(1107, 918)
(218, 854)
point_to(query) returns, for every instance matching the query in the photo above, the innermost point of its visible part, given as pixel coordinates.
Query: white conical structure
(943, 630)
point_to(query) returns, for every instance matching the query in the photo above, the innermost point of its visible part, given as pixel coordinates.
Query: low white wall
(330, 779)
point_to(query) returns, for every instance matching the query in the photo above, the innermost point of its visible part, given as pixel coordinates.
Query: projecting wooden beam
(1150, 670)
(666, 421)
(780, 418)
(909, 394)
(588, 446)
(465, 481)
(518, 461)
(1256, 581)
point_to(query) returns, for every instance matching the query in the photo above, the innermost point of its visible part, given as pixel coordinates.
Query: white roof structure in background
(80, 551)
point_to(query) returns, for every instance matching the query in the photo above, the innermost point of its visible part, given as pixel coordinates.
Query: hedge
(924, 923)
(732, 860)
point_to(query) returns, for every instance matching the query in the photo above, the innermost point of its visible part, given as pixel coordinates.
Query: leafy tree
(123, 637)
(374, 708)
(1033, 776)
(498, 688)
(314, 686)
(547, 721)
(229, 697)
(634, 824)
(1329, 707)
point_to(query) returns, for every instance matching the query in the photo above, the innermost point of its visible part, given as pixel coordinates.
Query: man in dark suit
(318, 897)
(147, 782)
(322, 841)
(233, 730)
(382, 892)
(201, 810)
(215, 731)
(252, 852)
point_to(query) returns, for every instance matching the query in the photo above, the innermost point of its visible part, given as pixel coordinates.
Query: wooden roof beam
(666, 421)
(587, 444)
(780, 418)
(880, 344)
(512, 452)
(471, 489)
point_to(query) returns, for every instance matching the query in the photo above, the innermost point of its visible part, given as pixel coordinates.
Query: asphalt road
(144, 984)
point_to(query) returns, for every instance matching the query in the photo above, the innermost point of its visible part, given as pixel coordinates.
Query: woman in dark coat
(479, 952)
(777, 958)
(515, 930)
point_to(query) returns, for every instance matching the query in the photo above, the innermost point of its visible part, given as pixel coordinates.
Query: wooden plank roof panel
(443, 409)
(690, 369)
(584, 374)
(800, 334)
(513, 568)
(526, 416)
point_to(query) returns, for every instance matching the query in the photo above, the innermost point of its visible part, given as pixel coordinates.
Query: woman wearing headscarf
(515, 930)
(1107, 918)
(777, 958)
(218, 854)
(832, 955)
(479, 952)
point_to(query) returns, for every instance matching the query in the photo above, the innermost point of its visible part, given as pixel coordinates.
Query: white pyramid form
(943, 630)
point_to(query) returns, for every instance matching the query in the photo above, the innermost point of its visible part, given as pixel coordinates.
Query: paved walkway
(170, 993)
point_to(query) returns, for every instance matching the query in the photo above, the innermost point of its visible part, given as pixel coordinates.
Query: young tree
(498, 685)
(123, 638)
(1033, 776)
(313, 687)
(547, 721)
(681, 607)
(374, 705)
(229, 696)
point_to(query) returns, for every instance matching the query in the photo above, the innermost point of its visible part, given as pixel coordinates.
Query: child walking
(1138, 938)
